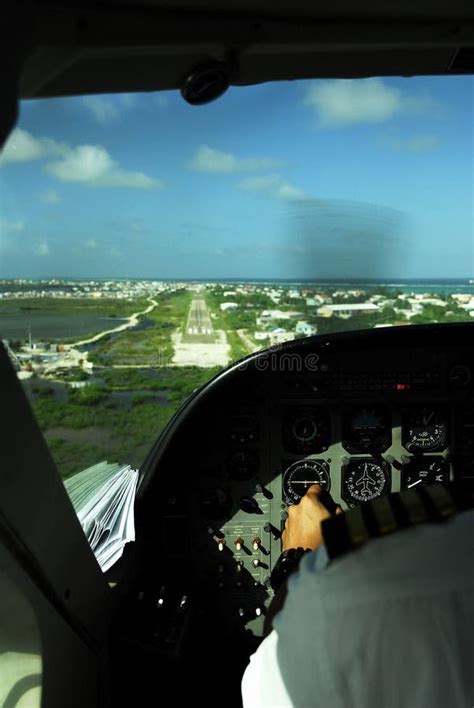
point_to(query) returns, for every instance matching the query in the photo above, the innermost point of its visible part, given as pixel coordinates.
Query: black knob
(269, 528)
(249, 505)
(262, 490)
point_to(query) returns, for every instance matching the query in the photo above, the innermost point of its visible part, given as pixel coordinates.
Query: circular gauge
(243, 464)
(301, 475)
(424, 470)
(306, 431)
(460, 376)
(364, 479)
(424, 429)
(366, 428)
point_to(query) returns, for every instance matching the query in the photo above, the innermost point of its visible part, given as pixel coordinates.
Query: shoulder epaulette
(436, 502)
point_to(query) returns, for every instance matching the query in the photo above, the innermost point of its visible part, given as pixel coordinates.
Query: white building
(267, 316)
(468, 305)
(228, 306)
(348, 309)
(305, 329)
(427, 301)
(315, 300)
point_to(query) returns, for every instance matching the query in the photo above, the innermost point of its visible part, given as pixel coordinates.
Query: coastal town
(105, 364)
(241, 318)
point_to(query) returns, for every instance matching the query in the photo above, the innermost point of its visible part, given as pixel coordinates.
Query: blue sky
(369, 178)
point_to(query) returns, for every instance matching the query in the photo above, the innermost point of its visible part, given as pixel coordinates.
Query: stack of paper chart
(103, 497)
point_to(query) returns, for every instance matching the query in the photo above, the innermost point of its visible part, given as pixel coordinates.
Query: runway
(199, 327)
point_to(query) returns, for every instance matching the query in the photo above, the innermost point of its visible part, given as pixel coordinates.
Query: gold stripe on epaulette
(356, 528)
(384, 516)
(442, 499)
(414, 506)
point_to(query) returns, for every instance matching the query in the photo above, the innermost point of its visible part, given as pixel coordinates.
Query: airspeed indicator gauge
(424, 430)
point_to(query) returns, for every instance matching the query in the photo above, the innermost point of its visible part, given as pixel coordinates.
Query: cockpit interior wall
(20, 646)
(16, 35)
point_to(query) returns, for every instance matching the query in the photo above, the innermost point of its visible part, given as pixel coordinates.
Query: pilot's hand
(303, 525)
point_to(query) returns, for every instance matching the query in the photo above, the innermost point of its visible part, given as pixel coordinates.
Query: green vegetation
(151, 346)
(237, 348)
(242, 318)
(88, 395)
(92, 427)
(436, 313)
(358, 320)
(64, 452)
(255, 300)
(103, 307)
(232, 320)
(43, 391)
(139, 398)
(172, 379)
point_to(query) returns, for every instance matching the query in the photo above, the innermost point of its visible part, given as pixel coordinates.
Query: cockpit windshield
(146, 243)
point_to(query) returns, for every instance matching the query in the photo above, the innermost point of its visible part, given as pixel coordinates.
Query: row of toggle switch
(239, 544)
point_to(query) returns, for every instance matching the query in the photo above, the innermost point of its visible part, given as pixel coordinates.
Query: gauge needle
(306, 481)
(414, 483)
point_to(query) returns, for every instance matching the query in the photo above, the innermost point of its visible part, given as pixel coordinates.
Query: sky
(369, 178)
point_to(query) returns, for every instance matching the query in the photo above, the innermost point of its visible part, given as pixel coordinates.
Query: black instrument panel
(362, 414)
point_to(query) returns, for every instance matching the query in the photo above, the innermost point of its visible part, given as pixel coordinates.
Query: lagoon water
(16, 324)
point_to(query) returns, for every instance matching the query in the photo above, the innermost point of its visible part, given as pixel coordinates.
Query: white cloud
(87, 164)
(107, 109)
(91, 243)
(92, 165)
(50, 197)
(103, 109)
(21, 146)
(271, 186)
(42, 249)
(416, 143)
(347, 101)
(10, 227)
(207, 159)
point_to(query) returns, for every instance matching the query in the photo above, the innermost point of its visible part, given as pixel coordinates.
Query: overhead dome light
(206, 82)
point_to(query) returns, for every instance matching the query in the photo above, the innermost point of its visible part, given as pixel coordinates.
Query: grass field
(146, 347)
(109, 307)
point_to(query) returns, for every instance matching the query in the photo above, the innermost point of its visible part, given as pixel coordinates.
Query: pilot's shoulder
(434, 503)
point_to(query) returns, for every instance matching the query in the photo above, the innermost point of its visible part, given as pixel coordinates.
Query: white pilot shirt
(390, 625)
